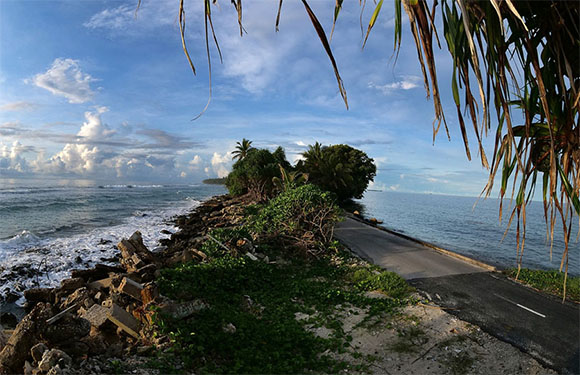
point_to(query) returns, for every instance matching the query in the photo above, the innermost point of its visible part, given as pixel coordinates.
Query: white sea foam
(29, 261)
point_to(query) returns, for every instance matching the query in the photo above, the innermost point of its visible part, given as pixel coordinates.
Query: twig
(425, 353)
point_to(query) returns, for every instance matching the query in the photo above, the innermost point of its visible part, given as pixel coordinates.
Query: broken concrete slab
(97, 315)
(101, 284)
(131, 288)
(124, 320)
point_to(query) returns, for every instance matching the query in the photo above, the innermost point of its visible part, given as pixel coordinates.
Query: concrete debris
(131, 288)
(124, 320)
(37, 351)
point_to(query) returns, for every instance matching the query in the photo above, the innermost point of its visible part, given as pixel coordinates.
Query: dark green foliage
(340, 169)
(305, 214)
(549, 281)
(253, 174)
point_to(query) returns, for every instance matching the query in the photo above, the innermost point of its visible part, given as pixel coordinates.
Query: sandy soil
(424, 339)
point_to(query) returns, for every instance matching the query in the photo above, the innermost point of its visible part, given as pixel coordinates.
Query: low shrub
(306, 215)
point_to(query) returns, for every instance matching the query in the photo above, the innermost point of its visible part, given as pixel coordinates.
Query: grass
(267, 337)
(548, 281)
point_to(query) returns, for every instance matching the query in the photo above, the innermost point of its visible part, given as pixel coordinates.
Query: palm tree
(242, 149)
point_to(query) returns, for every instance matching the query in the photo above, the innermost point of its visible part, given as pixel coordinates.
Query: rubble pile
(108, 311)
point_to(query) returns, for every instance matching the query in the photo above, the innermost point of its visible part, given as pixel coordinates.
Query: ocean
(471, 227)
(46, 230)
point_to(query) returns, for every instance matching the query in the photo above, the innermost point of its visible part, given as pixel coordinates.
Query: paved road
(535, 323)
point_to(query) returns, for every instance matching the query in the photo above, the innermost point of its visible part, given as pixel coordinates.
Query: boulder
(17, 349)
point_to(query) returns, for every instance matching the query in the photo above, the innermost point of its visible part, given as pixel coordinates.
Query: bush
(305, 214)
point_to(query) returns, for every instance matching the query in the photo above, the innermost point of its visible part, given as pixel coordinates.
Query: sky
(94, 90)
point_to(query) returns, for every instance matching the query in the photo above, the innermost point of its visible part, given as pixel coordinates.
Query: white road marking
(521, 306)
(530, 310)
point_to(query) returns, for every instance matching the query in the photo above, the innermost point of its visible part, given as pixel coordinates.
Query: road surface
(537, 324)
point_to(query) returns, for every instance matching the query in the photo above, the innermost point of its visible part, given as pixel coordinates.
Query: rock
(134, 253)
(183, 310)
(81, 296)
(131, 288)
(24, 337)
(251, 256)
(97, 315)
(149, 293)
(8, 319)
(72, 283)
(229, 328)
(54, 357)
(356, 213)
(69, 328)
(36, 295)
(101, 284)
(124, 320)
(165, 231)
(100, 271)
(37, 351)
(3, 338)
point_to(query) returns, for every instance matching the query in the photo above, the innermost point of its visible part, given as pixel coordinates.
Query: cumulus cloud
(196, 161)
(65, 78)
(220, 164)
(407, 83)
(12, 160)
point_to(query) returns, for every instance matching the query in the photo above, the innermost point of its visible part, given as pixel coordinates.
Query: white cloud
(65, 78)
(183, 174)
(196, 161)
(12, 160)
(220, 164)
(17, 106)
(408, 83)
(113, 18)
(301, 144)
(394, 187)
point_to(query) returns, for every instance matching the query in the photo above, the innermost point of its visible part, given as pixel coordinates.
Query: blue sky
(91, 91)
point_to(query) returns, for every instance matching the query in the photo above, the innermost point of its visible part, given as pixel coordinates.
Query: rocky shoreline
(105, 313)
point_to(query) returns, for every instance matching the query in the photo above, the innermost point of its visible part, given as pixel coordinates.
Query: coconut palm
(242, 149)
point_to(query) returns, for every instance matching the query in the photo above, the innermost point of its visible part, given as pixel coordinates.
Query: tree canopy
(340, 169)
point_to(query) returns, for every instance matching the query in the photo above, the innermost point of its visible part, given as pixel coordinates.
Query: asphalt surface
(537, 324)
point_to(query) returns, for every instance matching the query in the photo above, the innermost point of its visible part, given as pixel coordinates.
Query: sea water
(46, 231)
(471, 227)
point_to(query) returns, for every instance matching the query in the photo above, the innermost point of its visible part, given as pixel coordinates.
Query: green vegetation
(304, 215)
(549, 282)
(215, 181)
(253, 173)
(340, 169)
(262, 314)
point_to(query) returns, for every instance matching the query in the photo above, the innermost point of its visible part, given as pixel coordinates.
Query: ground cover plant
(251, 324)
(549, 282)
